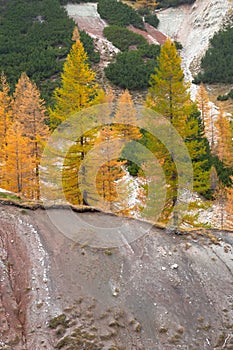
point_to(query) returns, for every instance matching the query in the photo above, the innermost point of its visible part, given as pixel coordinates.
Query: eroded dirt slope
(159, 291)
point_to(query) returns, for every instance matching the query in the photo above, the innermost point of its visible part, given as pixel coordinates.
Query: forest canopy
(115, 12)
(36, 38)
(217, 64)
(170, 3)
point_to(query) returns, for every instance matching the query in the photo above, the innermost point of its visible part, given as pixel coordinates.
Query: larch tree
(224, 147)
(169, 96)
(126, 115)
(5, 121)
(203, 104)
(78, 86)
(147, 3)
(78, 91)
(110, 170)
(29, 110)
(19, 167)
(224, 151)
(229, 209)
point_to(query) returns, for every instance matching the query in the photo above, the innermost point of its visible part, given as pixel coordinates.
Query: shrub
(123, 38)
(152, 20)
(115, 12)
(88, 44)
(130, 71)
(170, 3)
(217, 64)
(222, 97)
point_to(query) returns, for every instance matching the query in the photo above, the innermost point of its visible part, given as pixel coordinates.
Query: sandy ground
(158, 291)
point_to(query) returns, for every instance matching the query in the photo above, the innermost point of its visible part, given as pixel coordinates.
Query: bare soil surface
(87, 18)
(156, 290)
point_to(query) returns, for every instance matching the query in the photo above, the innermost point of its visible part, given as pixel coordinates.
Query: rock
(137, 327)
(174, 266)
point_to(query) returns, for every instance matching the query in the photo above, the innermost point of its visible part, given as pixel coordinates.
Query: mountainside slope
(160, 291)
(194, 25)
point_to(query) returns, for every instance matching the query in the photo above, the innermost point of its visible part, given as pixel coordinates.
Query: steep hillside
(152, 291)
(194, 25)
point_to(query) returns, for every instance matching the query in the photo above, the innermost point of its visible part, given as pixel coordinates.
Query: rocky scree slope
(159, 291)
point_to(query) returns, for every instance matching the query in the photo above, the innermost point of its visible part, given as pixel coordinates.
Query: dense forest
(170, 3)
(115, 12)
(36, 38)
(217, 64)
(161, 3)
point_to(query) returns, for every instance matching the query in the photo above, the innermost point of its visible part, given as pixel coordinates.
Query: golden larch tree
(29, 110)
(203, 104)
(5, 121)
(229, 209)
(224, 151)
(126, 115)
(78, 91)
(78, 86)
(19, 167)
(110, 170)
(102, 171)
(168, 94)
(224, 147)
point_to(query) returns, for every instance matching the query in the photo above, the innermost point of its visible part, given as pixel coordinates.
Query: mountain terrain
(154, 290)
(77, 278)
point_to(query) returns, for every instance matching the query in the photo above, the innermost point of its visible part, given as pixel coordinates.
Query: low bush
(115, 12)
(152, 20)
(123, 38)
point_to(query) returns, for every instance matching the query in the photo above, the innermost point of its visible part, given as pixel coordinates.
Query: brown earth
(157, 290)
(152, 35)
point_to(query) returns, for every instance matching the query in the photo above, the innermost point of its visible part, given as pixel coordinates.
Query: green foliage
(217, 64)
(179, 46)
(149, 51)
(224, 172)
(226, 97)
(9, 196)
(64, 2)
(230, 94)
(78, 89)
(123, 38)
(152, 20)
(88, 44)
(35, 37)
(200, 153)
(117, 13)
(143, 11)
(130, 71)
(222, 98)
(169, 96)
(173, 3)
